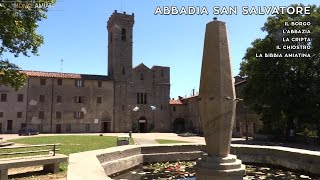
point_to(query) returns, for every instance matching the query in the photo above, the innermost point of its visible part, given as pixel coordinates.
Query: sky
(75, 32)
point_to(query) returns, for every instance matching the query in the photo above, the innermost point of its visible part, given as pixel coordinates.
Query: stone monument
(217, 107)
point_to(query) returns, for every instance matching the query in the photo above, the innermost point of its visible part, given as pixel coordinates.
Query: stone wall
(117, 159)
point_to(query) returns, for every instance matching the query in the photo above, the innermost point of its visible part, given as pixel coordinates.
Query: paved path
(139, 138)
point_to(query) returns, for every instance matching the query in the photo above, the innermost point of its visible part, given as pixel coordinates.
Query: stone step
(5, 143)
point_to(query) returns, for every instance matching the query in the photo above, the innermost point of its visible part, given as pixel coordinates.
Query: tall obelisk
(217, 107)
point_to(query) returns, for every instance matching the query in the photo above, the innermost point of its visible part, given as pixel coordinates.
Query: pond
(185, 170)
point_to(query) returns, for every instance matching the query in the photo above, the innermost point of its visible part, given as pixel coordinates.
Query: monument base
(220, 168)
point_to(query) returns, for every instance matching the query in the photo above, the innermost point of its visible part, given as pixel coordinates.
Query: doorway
(58, 128)
(106, 127)
(143, 125)
(179, 125)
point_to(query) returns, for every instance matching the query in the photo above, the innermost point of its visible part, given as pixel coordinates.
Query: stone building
(127, 99)
(185, 115)
(58, 102)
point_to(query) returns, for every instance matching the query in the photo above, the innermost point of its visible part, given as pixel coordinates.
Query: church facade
(127, 99)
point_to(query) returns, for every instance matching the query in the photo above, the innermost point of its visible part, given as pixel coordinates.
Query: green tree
(18, 36)
(285, 91)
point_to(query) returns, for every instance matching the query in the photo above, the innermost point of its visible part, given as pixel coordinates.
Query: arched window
(141, 98)
(145, 98)
(123, 71)
(123, 34)
(141, 76)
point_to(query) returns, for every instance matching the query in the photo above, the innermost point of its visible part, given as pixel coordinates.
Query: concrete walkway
(150, 138)
(139, 138)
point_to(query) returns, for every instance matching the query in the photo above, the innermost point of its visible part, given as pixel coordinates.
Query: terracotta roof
(64, 75)
(175, 102)
(179, 101)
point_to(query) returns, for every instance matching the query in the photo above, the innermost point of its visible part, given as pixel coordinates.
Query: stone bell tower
(120, 27)
(120, 30)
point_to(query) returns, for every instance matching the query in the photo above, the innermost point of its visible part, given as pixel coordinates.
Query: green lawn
(167, 141)
(71, 144)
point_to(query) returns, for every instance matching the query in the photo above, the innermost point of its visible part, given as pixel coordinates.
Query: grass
(70, 144)
(168, 141)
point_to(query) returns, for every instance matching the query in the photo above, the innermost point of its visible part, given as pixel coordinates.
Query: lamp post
(246, 119)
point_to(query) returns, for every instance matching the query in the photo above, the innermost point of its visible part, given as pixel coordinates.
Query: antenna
(61, 62)
(121, 6)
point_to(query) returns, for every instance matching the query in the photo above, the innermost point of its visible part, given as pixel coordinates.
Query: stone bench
(50, 163)
(123, 140)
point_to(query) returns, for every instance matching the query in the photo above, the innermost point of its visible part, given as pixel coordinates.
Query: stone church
(128, 98)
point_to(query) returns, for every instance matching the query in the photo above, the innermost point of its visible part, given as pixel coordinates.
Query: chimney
(179, 97)
(192, 92)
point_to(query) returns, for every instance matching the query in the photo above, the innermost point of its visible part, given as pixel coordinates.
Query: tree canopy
(285, 91)
(18, 36)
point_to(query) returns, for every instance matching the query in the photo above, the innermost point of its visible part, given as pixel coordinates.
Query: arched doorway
(142, 124)
(179, 125)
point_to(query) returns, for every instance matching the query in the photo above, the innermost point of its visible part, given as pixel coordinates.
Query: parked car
(27, 131)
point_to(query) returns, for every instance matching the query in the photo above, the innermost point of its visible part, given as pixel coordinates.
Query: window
(58, 115)
(9, 125)
(59, 99)
(87, 127)
(111, 37)
(42, 98)
(123, 71)
(123, 34)
(1, 114)
(141, 98)
(42, 82)
(254, 127)
(122, 107)
(162, 73)
(78, 115)
(59, 82)
(99, 84)
(161, 107)
(20, 97)
(145, 98)
(141, 76)
(79, 83)
(41, 114)
(3, 97)
(19, 114)
(79, 99)
(99, 100)
(174, 108)
(138, 99)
